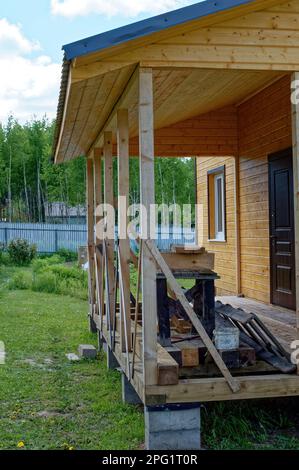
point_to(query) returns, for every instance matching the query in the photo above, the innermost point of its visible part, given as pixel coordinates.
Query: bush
(50, 276)
(21, 280)
(21, 252)
(42, 264)
(67, 255)
(45, 282)
(59, 279)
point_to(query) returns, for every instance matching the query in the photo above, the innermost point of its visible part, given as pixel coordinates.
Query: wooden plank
(188, 250)
(222, 35)
(137, 306)
(237, 224)
(90, 232)
(190, 262)
(123, 204)
(295, 138)
(98, 190)
(147, 192)
(109, 199)
(234, 57)
(98, 257)
(190, 354)
(233, 382)
(168, 368)
(216, 389)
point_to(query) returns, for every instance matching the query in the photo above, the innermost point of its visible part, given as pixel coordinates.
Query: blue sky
(32, 33)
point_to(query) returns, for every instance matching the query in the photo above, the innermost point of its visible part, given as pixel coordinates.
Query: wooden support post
(123, 205)
(98, 196)
(90, 237)
(109, 199)
(147, 191)
(237, 225)
(295, 132)
(98, 199)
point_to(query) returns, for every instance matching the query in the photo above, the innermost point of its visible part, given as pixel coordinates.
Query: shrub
(20, 280)
(66, 273)
(45, 282)
(42, 264)
(52, 277)
(21, 252)
(59, 279)
(67, 255)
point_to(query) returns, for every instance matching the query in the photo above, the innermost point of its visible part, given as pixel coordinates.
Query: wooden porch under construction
(177, 92)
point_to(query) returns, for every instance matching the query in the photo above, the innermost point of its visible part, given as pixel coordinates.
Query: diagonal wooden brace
(232, 381)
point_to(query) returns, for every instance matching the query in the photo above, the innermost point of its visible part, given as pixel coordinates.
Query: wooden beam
(98, 199)
(147, 192)
(123, 205)
(295, 137)
(216, 389)
(190, 262)
(109, 199)
(98, 190)
(237, 224)
(90, 232)
(233, 382)
(168, 368)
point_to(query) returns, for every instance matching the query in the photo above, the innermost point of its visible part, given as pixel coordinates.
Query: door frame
(287, 152)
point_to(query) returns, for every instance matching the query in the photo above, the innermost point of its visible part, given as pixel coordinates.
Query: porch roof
(99, 75)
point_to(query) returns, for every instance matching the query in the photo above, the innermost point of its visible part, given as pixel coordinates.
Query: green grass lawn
(48, 402)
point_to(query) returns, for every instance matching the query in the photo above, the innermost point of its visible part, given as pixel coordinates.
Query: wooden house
(212, 81)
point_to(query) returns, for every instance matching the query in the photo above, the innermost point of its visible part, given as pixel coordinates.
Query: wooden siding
(225, 258)
(211, 133)
(264, 128)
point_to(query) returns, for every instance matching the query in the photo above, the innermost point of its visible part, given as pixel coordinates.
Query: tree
(29, 180)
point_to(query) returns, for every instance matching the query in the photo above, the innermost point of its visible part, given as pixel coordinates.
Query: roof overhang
(98, 74)
(149, 27)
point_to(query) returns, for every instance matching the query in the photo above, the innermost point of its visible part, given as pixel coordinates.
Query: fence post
(56, 240)
(5, 236)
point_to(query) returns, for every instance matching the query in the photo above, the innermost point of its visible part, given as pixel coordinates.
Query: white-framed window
(216, 201)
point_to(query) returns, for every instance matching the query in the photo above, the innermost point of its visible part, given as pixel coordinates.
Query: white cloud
(129, 8)
(12, 39)
(28, 85)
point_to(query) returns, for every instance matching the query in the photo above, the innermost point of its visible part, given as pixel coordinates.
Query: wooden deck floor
(281, 321)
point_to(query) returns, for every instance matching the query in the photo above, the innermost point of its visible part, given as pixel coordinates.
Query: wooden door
(282, 243)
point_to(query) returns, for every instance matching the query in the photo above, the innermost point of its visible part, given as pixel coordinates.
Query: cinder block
(173, 427)
(129, 395)
(87, 351)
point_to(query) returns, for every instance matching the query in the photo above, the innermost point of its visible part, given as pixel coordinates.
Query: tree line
(29, 180)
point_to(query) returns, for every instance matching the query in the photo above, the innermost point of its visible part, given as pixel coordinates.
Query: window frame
(214, 176)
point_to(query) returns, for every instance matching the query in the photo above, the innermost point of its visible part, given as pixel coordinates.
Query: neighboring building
(60, 213)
